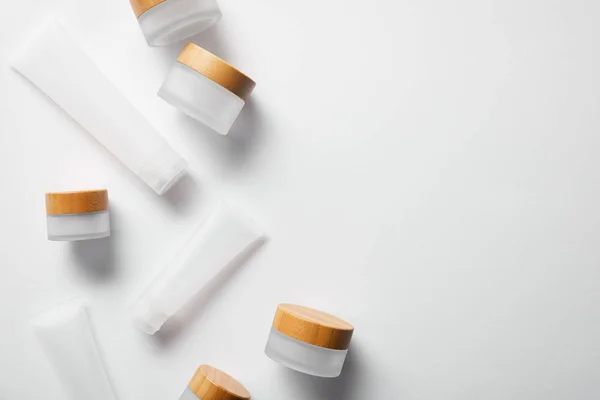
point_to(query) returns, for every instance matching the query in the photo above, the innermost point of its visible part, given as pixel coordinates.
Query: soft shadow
(247, 135)
(240, 146)
(182, 197)
(211, 40)
(95, 259)
(341, 388)
(193, 311)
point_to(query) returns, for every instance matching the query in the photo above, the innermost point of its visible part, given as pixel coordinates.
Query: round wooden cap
(313, 326)
(209, 383)
(85, 201)
(141, 6)
(217, 70)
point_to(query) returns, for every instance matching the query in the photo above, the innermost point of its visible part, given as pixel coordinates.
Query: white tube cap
(147, 317)
(163, 170)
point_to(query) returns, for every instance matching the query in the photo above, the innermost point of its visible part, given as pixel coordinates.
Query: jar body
(201, 98)
(304, 357)
(175, 20)
(70, 227)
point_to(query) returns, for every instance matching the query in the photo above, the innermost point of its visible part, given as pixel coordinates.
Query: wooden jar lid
(216, 70)
(209, 383)
(85, 201)
(313, 326)
(141, 6)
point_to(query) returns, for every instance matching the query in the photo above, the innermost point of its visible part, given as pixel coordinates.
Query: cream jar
(209, 383)
(167, 21)
(206, 88)
(309, 341)
(77, 215)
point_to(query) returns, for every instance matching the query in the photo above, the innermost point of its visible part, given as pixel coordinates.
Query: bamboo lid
(313, 326)
(76, 202)
(141, 6)
(209, 383)
(217, 70)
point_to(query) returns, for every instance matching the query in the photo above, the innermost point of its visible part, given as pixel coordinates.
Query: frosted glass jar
(309, 341)
(206, 88)
(209, 383)
(168, 21)
(77, 215)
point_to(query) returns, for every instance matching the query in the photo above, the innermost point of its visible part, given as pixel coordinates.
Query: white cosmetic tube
(55, 63)
(66, 336)
(219, 245)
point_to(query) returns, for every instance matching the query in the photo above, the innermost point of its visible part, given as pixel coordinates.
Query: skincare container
(214, 251)
(55, 63)
(309, 341)
(77, 215)
(68, 341)
(206, 88)
(168, 21)
(209, 383)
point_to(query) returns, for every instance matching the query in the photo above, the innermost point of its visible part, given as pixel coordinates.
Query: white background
(427, 170)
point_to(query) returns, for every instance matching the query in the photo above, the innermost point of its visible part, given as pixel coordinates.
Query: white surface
(221, 244)
(304, 357)
(188, 395)
(428, 171)
(68, 341)
(53, 61)
(82, 226)
(175, 20)
(201, 98)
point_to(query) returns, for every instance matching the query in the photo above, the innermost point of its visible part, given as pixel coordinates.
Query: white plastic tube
(54, 63)
(220, 244)
(67, 339)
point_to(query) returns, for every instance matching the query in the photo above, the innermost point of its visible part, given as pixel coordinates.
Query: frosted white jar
(309, 341)
(210, 383)
(168, 21)
(80, 215)
(206, 88)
